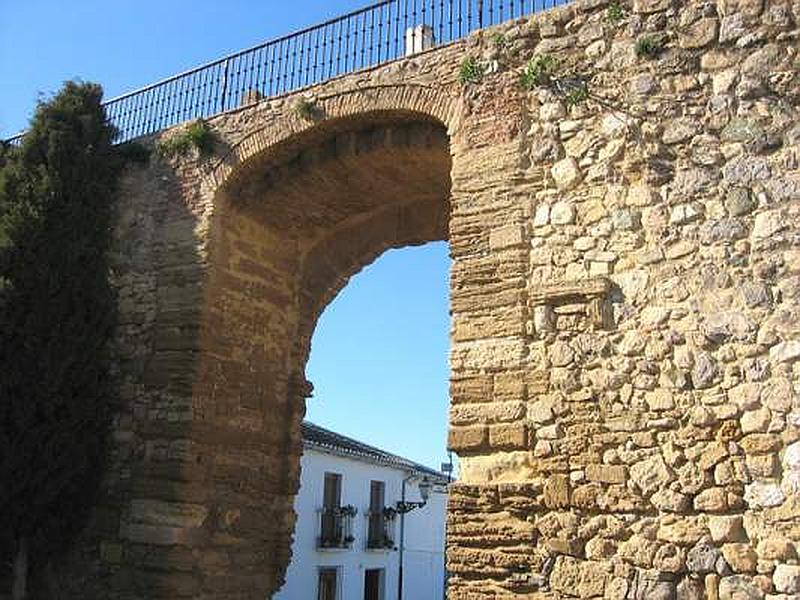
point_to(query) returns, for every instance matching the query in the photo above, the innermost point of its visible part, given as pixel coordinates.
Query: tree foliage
(56, 316)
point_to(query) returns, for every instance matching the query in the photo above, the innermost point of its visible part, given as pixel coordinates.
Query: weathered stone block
(508, 436)
(650, 6)
(566, 174)
(175, 514)
(607, 473)
(670, 501)
(787, 579)
(776, 548)
(785, 351)
(699, 34)
(702, 558)
(510, 236)
(575, 577)
(763, 495)
(741, 557)
(639, 551)
(712, 500)
(739, 587)
(650, 474)
(557, 491)
(768, 224)
(683, 531)
(159, 535)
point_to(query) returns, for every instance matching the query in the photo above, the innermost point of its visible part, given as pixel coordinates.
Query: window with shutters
(380, 519)
(328, 582)
(373, 584)
(335, 520)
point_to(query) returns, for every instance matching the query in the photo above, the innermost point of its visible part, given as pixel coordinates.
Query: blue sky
(124, 45)
(379, 354)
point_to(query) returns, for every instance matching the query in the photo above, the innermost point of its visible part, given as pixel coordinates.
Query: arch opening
(292, 226)
(380, 372)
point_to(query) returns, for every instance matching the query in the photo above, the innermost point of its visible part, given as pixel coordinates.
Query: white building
(347, 539)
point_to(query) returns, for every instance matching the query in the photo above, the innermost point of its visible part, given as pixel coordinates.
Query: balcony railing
(380, 529)
(371, 36)
(336, 527)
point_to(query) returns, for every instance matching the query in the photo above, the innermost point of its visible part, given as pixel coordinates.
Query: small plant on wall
(649, 46)
(197, 135)
(577, 95)
(306, 109)
(470, 71)
(541, 72)
(538, 72)
(615, 13)
(499, 40)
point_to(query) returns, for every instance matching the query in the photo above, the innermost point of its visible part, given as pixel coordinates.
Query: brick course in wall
(625, 297)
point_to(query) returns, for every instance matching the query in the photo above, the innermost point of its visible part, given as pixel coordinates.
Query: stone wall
(635, 435)
(625, 299)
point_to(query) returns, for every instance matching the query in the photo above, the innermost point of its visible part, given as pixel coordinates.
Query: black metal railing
(373, 35)
(336, 527)
(380, 529)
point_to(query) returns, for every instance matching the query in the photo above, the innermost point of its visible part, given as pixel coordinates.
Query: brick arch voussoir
(436, 103)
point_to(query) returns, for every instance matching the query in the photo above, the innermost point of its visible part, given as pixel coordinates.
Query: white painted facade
(424, 569)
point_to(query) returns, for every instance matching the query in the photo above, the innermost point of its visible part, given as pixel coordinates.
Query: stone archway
(290, 228)
(243, 262)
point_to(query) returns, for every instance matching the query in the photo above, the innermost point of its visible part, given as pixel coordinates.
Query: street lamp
(403, 507)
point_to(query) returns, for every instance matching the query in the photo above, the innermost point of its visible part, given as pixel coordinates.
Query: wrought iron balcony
(336, 527)
(380, 529)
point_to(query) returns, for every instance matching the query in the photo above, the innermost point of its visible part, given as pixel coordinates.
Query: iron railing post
(224, 93)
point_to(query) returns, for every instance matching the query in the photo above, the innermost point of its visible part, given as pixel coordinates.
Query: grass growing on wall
(197, 135)
(537, 71)
(470, 71)
(648, 46)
